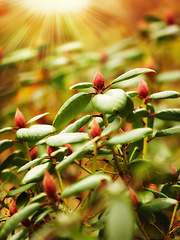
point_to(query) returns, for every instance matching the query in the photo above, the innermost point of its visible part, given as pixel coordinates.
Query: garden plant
(118, 192)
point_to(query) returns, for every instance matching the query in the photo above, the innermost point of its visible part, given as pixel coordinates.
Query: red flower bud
(34, 152)
(170, 18)
(98, 81)
(120, 131)
(50, 150)
(19, 119)
(13, 208)
(95, 129)
(133, 196)
(49, 185)
(154, 187)
(69, 148)
(143, 89)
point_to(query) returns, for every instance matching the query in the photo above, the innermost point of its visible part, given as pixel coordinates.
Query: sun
(48, 7)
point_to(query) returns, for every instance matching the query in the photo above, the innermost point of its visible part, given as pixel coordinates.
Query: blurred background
(48, 45)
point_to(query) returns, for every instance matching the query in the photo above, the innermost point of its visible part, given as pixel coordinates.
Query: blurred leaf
(22, 200)
(53, 62)
(169, 31)
(4, 130)
(82, 85)
(172, 114)
(20, 190)
(36, 173)
(11, 159)
(69, 47)
(164, 95)
(132, 94)
(151, 110)
(21, 234)
(74, 127)
(112, 100)
(34, 133)
(130, 136)
(30, 164)
(170, 76)
(168, 131)
(120, 221)
(13, 222)
(156, 192)
(8, 174)
(87, 183)
(5, 144)
(64, 138)
(68, 160)
(151, 18)
(37, 117)
(131, 74)
(44, 212)
(157, 205)
(71, 108)
(111, 127)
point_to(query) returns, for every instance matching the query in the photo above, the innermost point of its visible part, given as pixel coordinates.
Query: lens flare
(53, 6)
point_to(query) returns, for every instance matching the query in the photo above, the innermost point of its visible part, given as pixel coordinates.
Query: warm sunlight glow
(54, 6)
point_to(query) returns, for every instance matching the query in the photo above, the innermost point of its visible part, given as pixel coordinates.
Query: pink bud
(98, 81)
(69, 148)
(95, 129)
(120, 131)
(19, 119)
(49, 185)
(133, 196)
(34, 152)
(143, 89)
(170, 18)
(50, 150)
(13, 208)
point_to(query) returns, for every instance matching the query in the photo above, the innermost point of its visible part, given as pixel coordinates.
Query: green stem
(28, 155)
(94, 158)
(172, 221)
(84, 168)
(113, 148)
(61, 185)
(145, 143)
(141, 227)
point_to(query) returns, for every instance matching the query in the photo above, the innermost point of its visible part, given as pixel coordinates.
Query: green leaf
(130, 136)
(86, 183)
(145, 196)
(112, 126)
(8, 174)
(157, 205)
(13, 222)
(131, 74)
(36, 173)
(172, 114)
(82, 85)
(128, 108)
(5, 144)
(37, 117)
(38, 198)
(74, 127)
(68, 160)
(71, 108)
(175, 188)
(120, 221)
(64, 138)
(168, 131)
(34, 133)
(11, 159)
(112, 100)
(30, 164)
(141, 112)
(156, 192)
(20, 190)
(170, 76)
(4, 130)
(164, 95)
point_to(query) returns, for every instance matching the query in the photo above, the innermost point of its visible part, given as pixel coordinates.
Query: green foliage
(112, 179)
